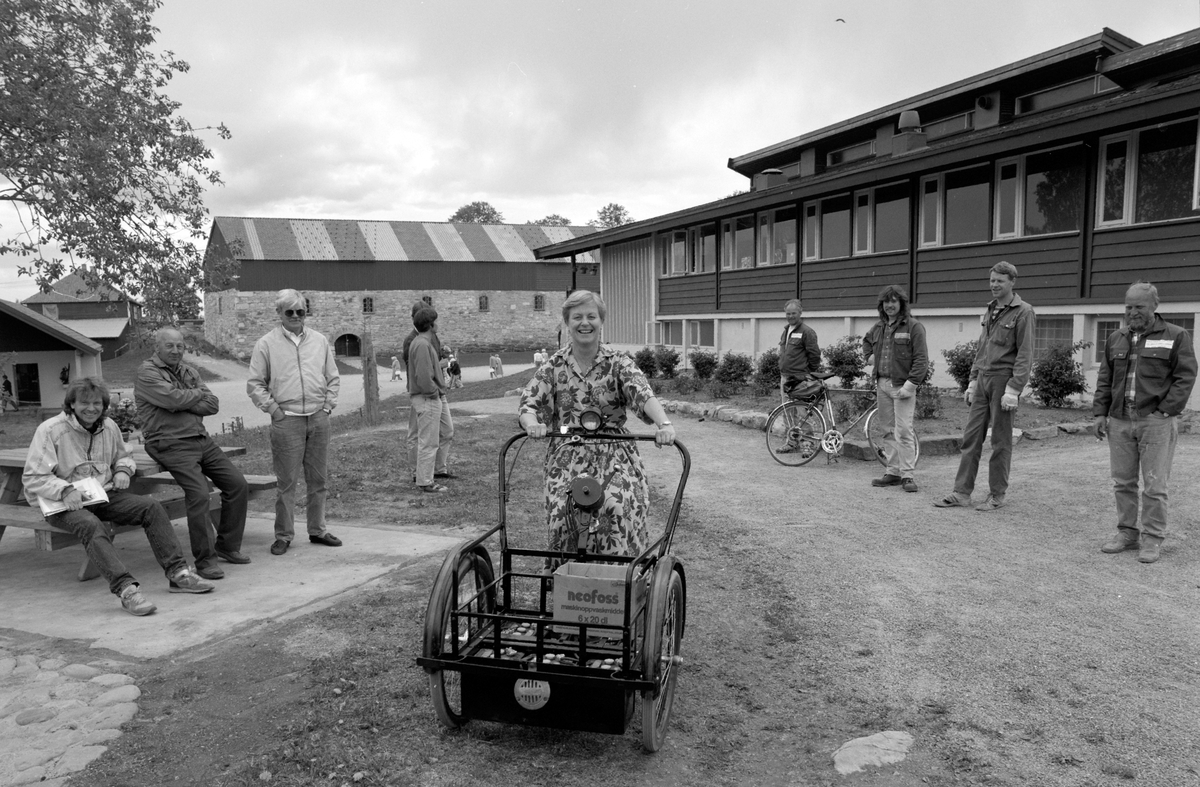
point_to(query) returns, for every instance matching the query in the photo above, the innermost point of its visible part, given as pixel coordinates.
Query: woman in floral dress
(586, 375)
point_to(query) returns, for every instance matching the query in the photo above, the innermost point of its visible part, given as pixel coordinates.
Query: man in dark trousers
(1003, 362)
(1144, 382)
(799, 354)
(172, 401)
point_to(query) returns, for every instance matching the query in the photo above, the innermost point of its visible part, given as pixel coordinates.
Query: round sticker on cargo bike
(531, 694)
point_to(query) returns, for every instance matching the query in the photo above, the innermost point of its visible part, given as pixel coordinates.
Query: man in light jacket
(80, 443)
(293, 379)
(172, 401)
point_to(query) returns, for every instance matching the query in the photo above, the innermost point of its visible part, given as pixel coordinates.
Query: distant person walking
(496, 365)
(396, 369)
(294, 379)
(6, 396)
(1144, 382)
(1000, 373)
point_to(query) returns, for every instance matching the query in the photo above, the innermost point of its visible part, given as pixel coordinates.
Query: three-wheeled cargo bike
(576, 640)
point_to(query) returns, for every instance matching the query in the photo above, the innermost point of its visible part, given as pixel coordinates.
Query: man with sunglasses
(293, 379)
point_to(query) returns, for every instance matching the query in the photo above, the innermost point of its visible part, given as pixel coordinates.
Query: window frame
(368, 304)
(1018, 217)
(1098, 354)
(939, 181)
(539, 302)
(870, 231)
(695, 335)
(484, 303)
(1132, 140)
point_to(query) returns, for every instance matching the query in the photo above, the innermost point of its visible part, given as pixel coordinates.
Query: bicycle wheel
(878, 434)
(664, 630)
(794, 431)
(472, 573)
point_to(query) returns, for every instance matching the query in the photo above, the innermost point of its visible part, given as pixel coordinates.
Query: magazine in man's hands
(88, 487)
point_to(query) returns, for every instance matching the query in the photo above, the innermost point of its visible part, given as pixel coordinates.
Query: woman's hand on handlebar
(535, 430)
(665, 435)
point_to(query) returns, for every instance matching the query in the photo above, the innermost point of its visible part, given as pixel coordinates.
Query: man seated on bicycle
(899, 359)
(799, 355)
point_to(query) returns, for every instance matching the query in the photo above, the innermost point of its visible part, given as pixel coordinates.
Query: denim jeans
(896, 414)
(191, 463)
(299, 443)
(435, 430)
(986, 409)
(1145, 442)
(91, 525)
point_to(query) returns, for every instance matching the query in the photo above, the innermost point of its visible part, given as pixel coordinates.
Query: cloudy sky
(406, 110)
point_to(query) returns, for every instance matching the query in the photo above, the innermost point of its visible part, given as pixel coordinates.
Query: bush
(644, 358)
(1058, 375)
(720, 390)
(734, 369)
(687, 384)
(959, 361)
(766, 375)
(846, 359)
(929, 398)
(125, 413)
(704, 363)
(666, 359)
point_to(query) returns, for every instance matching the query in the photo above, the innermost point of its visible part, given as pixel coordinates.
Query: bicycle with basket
(508, 646)
(805, 426)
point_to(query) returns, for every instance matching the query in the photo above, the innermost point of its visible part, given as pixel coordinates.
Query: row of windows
(368, 303)
(1048, 331)
(1148, 175)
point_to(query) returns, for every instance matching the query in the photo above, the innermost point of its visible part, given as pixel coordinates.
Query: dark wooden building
(489, 288)
(107, 316)
(1078, 165)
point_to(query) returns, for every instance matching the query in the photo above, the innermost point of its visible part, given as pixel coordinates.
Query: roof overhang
(1154, 61)
(51, 327)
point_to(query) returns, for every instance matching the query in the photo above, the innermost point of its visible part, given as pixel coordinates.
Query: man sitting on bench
(80, 442)
(172, 401)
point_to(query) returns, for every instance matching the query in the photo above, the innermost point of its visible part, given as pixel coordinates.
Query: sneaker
(210, 571)
(952, 500)
(187, 581)
(887, 480)
(909, 484)
(1119, 544)
(990, 504)
(1149, 551)
(232, 556)
(435, 488)
(134, 602)
(279, 547)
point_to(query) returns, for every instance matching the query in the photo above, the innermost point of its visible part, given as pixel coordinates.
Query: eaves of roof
(1105, 42)
(72, 289)
(1037, 129)
(52, 327)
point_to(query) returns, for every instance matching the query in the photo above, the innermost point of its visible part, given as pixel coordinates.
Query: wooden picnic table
(149, 479)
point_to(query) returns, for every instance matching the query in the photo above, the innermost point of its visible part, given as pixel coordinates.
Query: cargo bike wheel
(794, 432)
(660, 652)
(464, 583)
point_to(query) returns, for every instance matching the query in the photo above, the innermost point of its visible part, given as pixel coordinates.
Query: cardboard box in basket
(593, 593)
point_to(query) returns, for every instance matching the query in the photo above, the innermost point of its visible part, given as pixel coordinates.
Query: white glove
(907, 391)
(1009, 401)
(969, 396)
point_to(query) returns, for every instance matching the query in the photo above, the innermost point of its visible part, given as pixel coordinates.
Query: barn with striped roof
(490, 290)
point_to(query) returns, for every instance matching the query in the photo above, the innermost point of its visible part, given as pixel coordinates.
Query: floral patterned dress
(558, 393)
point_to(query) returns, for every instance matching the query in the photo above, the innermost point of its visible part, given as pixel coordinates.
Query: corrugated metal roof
(100, 328)
(367, 241)
(72, 289)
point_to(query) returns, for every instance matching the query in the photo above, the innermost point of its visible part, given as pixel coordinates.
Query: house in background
(1078, 165)
(39, 352)
(489, 289)
(103, 314)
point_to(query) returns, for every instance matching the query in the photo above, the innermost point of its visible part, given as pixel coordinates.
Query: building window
(889, 225)
(737, 243)
(1184, 321)
(308, 309)
(703, 242)
(1040, 194)
(1104, 329)
(810, 231)
(702, 333)
(850, 153)
(678, 252)
(483, 303)
(1050, 331)
(955, 207)
(783, 236)
(945, 127)
(671, 333)
(763, 241)
(1067, 93)
(368, 305)
(1150, 175)
(539, 303)
(427, 300)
